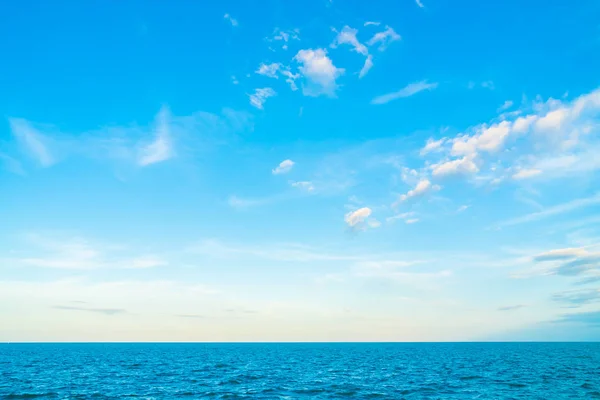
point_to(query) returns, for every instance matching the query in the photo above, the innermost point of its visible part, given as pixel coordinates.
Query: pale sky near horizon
(324, 170)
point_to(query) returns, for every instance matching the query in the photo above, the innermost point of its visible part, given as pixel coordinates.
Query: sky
(320, 170)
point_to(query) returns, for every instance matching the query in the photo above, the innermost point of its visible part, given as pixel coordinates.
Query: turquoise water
(300, 371)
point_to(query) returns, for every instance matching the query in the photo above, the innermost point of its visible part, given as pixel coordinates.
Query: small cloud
(319, 71)
(231, 20)
(234, 80)
(419, 3)
(269, 70)
(462, 209)
(412, 221)
(161, 148)
(433, 146)
(366, 67)
(304, 185)
(423, 187)
(285, 36)
(507, 104)
(373, 223)
(409, 90)
(260, 96)
(512, 308)
(488, 85)
(368, 23)
(357, 217)
(461, 166)
(526, 173)
(385, 38)
(291, 78)
(284, 167)
(348, 36)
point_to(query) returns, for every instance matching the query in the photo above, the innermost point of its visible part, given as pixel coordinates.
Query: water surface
(300, 371)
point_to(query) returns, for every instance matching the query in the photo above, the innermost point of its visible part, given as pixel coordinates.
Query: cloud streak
(410, 90)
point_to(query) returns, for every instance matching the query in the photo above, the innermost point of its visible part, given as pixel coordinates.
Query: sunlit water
(297, 371)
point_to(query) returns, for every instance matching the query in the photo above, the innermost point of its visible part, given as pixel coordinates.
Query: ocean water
(300, 371)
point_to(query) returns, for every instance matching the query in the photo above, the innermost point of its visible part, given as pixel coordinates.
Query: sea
(545, 371)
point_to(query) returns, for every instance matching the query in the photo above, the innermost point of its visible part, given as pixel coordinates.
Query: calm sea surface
(297, 371)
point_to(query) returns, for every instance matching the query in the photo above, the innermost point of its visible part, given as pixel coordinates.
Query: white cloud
(348, 36)
(234, 80)
(284, 167)
(433, 145)
(319, 71)
(507, 104)
(423, 187)
(33, 140)
(366, 67)
(355, 218)
(231, 20)
(373, 223)
(553, 120)
(409, 90)
(269, 70)
(260, 96)
(489, 139)
(304, 185)
(385, 38)
(291, 78)
(368, 23)
(522, 124)
(526, 173)
(459, 166)
(412, 221)
(419, 3)
(161, 148)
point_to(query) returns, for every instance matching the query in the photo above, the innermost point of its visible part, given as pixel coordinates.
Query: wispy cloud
(409, 90)
(348, 36)
(366, 67)
(578, 297)
(505, 106)
(384, 38)
(284, 167)
(231, 20)
(160, 149)
(555, 210)
(591, 318)
(269, 70)
(33, 141)
(319, 72)
(419, 3)
(512, 308)
(260, 96)
(59, 251)
(105, 311)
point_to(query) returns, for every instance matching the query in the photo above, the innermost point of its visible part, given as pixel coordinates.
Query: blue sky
(321, 170)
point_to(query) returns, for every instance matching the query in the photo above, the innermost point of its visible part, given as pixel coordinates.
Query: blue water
(297, 371)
